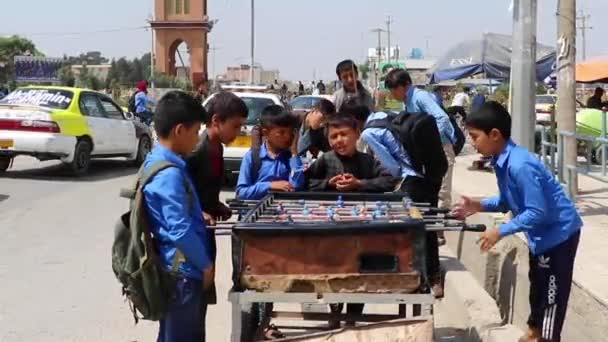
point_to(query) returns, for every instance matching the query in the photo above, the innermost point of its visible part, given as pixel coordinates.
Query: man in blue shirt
(176, 218)
(399, 82)
(541, 210)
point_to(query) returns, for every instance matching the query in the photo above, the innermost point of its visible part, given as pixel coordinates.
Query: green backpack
(146, 285)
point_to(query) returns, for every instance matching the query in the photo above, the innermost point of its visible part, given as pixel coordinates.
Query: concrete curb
(478, 311)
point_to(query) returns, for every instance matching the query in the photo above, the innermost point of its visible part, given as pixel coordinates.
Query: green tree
(123, 67)
(137, 72)
(66, 76)
(9, 48)
(364, 71)
(83, 77)
(145, 63)
(113, 77)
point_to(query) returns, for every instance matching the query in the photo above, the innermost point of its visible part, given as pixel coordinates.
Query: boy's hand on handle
(489, 238)
(208, 277)
(284, 186)
(466, 208)
(224, 213)
(209, 220)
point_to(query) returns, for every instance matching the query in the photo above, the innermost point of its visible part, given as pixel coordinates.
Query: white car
(69, 124)
(234, 153)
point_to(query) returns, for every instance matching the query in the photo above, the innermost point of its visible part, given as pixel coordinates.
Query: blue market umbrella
(490, 55)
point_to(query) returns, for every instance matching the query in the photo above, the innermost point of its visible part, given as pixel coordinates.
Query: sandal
(273, 333)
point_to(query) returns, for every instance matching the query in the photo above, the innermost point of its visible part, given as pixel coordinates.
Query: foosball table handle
(480, 228)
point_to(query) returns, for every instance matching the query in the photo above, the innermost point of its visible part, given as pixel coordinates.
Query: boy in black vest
(226, 114)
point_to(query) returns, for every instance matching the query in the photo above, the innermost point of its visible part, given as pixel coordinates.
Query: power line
(123, 29)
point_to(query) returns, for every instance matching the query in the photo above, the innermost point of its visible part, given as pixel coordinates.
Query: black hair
(346, 65)
(355, 108)
(324, 106)
(277, 116)
(177, 107)
(342, 120)
(396, 78)
(466, 89)
(491, 115)
(226, 105)
(599, 90)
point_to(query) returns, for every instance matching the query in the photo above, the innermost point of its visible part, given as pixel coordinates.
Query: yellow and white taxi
(69, 124)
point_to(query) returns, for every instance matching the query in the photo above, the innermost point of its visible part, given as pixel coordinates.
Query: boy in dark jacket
(344, 168)
(226, 115)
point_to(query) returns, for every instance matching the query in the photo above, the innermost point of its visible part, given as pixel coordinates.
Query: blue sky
(297, 37)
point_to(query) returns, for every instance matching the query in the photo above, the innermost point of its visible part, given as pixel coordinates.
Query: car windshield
(545, 100)
(255, 105)
(301, 103)
(49, 98)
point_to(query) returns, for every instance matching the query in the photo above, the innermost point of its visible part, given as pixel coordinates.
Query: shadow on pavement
(3, 197)
(100, 170)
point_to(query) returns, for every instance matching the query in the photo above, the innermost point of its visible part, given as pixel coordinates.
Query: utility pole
(251, 70)
(378, 53)
(566, 85)
(214, 48)
(389, 21)
(523, 73)
(584, 21)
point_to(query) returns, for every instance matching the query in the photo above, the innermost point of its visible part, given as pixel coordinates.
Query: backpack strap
(142, 179)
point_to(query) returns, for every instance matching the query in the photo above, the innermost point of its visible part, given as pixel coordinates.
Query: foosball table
(325, 248)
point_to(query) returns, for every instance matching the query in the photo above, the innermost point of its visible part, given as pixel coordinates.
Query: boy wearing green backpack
(176, 219)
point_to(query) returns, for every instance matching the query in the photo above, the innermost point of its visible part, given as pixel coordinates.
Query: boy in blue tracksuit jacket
(176, 217)
(540, 209)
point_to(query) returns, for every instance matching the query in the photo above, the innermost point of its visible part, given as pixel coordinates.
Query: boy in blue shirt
(277, 166)
(274, 166)
(540, 209)
(176, 218)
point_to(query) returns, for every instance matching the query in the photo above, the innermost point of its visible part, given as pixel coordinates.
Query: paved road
(55, 268)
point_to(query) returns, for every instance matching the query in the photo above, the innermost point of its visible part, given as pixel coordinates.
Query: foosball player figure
(540, 209)
(272, 166)
(345, 169)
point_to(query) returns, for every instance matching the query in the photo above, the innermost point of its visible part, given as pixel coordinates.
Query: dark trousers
(185, 320)
(550, 282)
(419, 190)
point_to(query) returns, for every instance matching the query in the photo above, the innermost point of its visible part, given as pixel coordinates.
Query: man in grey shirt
(352, 89)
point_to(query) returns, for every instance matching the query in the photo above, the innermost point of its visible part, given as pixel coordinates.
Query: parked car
(545, 108)
(69, 124)
(234, 153)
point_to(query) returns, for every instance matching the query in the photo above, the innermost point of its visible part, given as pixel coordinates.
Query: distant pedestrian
(478, 100)
(595, 101)
(352, 88)
(321, 87)
(300, 88)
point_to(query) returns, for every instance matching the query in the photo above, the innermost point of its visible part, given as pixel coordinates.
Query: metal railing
(552, 155)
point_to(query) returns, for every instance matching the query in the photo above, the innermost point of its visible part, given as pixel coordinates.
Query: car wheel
(596, 155)
(5, 163)
(82, 158)
(144, 147)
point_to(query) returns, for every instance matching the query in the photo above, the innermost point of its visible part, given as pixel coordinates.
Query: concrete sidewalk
(591, 267)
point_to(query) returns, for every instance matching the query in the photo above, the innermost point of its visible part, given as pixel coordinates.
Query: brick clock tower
(181, 21)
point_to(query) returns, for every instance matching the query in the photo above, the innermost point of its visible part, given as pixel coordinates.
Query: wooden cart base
(244, 330)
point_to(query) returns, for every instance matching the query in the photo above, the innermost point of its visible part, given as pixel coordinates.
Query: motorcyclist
(143, 102)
